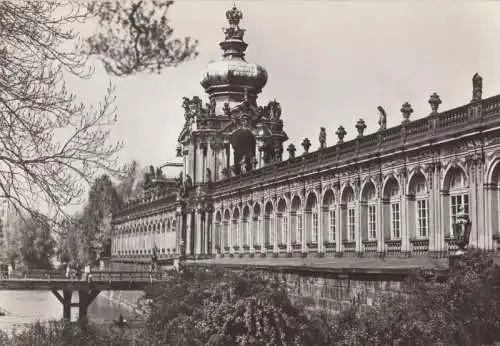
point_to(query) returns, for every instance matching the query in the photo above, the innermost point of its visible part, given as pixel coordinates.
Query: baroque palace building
(395, 192)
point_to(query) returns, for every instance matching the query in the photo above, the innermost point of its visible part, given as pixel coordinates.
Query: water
(25, 307)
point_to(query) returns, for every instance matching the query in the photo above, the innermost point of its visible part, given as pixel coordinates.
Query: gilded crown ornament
(234, 16)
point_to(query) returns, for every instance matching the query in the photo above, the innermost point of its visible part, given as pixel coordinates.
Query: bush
(464, 309)
(226, 308)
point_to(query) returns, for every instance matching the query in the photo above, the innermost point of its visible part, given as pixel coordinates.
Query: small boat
(120, 322)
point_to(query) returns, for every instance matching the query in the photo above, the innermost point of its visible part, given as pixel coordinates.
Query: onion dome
(233, 74)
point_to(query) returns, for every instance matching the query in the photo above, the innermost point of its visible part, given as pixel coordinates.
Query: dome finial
(234, 16)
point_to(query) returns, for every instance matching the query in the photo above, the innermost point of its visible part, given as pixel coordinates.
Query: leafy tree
(36, 243)
(130, 181)
(51, 145)
(63, 333)
(461, 310)
(95, 221)
(69, 249)
(225, 308)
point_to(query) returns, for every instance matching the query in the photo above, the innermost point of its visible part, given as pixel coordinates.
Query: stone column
(357, 227)
(289, 232)
(380, 222)
(320, 237)
(485, 235)
(338, 227)
(405, 212)
(277, 227)
(188, 240)
(198, 226)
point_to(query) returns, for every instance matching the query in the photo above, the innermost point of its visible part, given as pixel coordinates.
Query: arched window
(236, 227)
(329, 217)
(392, 208)
(246, 229)
(297, 221)
(257, 225)
(312, 219)
(419, 193)
(282, 232)
(269, 225)
(217, 233)
(459, 196)
(349, 214)
(369, 211)
(225, 230)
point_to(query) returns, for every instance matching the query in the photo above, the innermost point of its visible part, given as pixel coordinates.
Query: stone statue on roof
(322, 138)
(477, 87)
(382, 120)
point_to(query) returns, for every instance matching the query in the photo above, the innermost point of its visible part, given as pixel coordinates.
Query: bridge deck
(102, 281)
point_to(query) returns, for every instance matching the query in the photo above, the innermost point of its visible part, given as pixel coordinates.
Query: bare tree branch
(51, 146)
(135, 36)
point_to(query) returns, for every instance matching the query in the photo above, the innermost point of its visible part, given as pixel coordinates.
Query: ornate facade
(394, 192)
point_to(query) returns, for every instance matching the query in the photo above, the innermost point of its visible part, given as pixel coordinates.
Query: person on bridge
(87, 271)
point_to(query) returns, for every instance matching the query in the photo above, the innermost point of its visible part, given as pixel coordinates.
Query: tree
(130, 181)
(226, 308)
(69, 249)
(51, 146)
(135, 36)
(95, 221)
(36, 244)
(460, 310)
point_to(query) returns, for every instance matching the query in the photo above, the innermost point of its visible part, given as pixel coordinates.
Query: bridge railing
(96, 275)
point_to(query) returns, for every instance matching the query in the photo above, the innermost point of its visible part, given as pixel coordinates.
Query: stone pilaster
(339, 221)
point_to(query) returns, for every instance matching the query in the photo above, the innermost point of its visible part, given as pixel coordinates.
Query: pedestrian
(9, 271)
(67, 271)
(78, 272)
(87, 271)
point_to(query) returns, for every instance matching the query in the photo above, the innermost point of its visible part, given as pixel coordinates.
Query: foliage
(92, 228)
(36, 243)
(52, 146)
(62, 333)
(69, 247)
(461, 310)
(135, 36)
(130, 182)
(226, 308)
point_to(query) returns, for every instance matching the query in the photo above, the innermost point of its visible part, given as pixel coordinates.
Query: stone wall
(334, 294)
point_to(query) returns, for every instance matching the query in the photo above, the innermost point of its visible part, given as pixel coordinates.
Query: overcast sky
(329, 64)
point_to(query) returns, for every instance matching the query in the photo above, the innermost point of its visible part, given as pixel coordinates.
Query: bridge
(88, 288)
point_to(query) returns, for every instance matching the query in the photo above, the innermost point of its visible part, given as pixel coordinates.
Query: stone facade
(395, 192)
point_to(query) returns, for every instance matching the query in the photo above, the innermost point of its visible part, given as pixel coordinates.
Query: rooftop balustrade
(456, 121)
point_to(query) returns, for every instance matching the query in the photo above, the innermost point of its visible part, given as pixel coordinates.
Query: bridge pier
(85, 298)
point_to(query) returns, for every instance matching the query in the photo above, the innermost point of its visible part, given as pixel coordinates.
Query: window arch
(282, 231)
(245, 223)
(329, 211)
(418, 204)
(348, 210)
(455, 184)
(217, 231)
(225, 229)
(369, 211)
(312, 219)
(235, 228)
(297, 221)
(257, 225)
(268, 224)
(392, 209)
